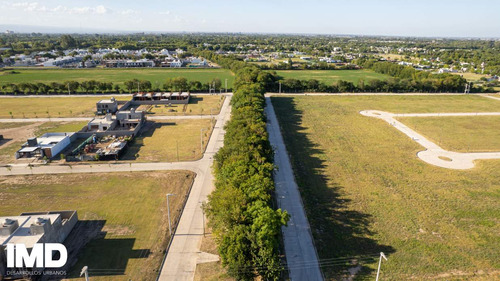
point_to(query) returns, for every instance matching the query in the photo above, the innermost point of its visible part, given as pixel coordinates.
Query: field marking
(434, 154)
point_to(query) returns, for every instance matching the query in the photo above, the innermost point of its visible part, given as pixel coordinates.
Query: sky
(424, 18)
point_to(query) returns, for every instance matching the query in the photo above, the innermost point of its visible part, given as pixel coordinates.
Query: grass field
(365, 191)
(75, 106)
(136, 226)
(163, 140)
(331, 76)
(157, 76)
(198, 105)
(59, 127)
(50, 107)
(460, 134)
(13, 125)
(471, 76)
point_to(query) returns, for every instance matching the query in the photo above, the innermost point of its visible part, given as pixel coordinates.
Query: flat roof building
(32, 228)
(48, 145)
(107, 106)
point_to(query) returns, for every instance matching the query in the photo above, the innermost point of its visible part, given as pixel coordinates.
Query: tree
(66, 42)
(179, 84)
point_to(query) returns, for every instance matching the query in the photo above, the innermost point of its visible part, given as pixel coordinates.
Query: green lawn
(331, 76)
(157, 76)
(365, 191)
(132, 206)
(170, 141)
(59, 127)
(461, 133)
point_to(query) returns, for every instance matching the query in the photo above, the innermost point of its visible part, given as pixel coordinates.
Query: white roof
(28, 149)
(22, 234)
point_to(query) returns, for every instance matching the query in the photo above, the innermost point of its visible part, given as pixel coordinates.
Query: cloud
(165, 13)
(127, 12)
(36, 7)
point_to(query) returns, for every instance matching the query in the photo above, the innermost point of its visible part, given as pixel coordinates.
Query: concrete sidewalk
(301, 256)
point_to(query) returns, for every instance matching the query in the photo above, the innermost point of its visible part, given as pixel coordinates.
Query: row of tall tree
(93, 86)
(241, 211)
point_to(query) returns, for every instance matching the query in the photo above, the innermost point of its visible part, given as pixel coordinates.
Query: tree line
(241, 210)
(94, 87)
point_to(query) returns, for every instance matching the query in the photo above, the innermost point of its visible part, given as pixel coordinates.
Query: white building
(48, 145)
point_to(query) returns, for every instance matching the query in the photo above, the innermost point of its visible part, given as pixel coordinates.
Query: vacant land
(50, 107)
(211, 271)
(461, 133)
(365, 191)
(198, 105)
(331, 76)
(157, 76)
(132, 207)
(472, 76)
(170, 141)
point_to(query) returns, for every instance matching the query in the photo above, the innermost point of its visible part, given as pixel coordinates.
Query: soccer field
(331, 76)
(366, 191)
(157, 76)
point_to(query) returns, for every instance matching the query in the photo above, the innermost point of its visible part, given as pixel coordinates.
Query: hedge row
(240, 210)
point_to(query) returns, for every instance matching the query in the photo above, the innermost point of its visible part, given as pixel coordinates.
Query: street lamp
(201, 140)
(203, 216)
(168, 210)
(85, 270)
(379, 263)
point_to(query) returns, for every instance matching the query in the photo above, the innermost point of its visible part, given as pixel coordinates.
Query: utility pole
(203, 217)
(201, 140)
(85, 270)
(379, 263)
(69, 91)
(168, 210)
(138, 90)
(280, 87)
(226, 85)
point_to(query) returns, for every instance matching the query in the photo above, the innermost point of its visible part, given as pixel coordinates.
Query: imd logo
(41, 256)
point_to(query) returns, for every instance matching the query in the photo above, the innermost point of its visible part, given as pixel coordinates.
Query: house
(176, 63)
(33, 228)
(129, 63)
(48, 145)
(102, 124)
(107, 106)
(130, 118)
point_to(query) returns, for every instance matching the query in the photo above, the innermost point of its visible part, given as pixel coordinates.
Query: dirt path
(17, 134)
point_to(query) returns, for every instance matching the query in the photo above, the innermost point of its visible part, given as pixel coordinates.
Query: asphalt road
(301, 256)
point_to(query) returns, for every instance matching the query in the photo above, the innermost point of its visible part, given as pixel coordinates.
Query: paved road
(184, 252)
(434, 154)
(301, 256)
(82, 119)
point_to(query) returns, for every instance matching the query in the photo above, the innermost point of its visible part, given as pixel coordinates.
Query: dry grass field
(130, 208)
(365, 191)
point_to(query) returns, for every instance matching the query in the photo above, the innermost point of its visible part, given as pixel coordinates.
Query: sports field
(331, 76)
(365, 191)
(128, 210)
(157, 76)
(460, 134)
